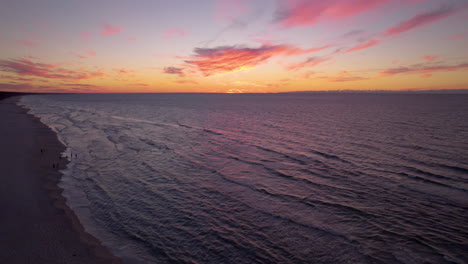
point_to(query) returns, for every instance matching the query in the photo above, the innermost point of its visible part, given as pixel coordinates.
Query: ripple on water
(329, 178)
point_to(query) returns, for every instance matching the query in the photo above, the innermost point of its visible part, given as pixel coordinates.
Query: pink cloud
(109, 29)
(131, 39)
(230, 9)
(458, 37)
(233, 58)
(292, 13)
(172, 32)
(25, 67)
(88, 53)
(423, 19)
(30, 39)
(85, 36)
(308, 63)
(430, 57)
(291, 51)
(125, 71)
(365, 45)
(29, 43)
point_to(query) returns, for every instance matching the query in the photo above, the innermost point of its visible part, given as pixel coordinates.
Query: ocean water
(272, 178)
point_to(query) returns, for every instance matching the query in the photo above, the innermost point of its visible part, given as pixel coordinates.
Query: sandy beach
(36, 226)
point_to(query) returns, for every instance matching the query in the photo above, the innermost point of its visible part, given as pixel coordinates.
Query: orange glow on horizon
(295, 45)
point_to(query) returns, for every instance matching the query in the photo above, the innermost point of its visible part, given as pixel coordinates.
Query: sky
(232, 46)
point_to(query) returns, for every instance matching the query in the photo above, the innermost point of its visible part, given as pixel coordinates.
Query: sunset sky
(232, 45)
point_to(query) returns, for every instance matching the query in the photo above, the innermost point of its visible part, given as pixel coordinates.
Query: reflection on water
(286, 178)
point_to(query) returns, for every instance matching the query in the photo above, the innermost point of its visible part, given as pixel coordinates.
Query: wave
(172, 181)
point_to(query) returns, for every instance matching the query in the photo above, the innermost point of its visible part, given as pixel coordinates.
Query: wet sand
(36, 226)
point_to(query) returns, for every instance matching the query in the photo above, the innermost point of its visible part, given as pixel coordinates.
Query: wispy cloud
(186, 82)
(458, 37)
(29, 43)
(424, 19)
(80, 87)
(414, 22)
(25, 67)
(369, 43)
(174, 70)
(85, 36)
(292, 13)
(78, 84)
(234, 58)
(307, 74)
(308, 63)
(424, 69)
(345, 77)
(62, 88)
(87, 54)
(15, 87)
(125, 71)
(353, 33)
(230, 9)
(141, 84)
(238, 15)
(15, 78)
(430, 57)
(173, 32)
(29, 39)
(108, 29)
(398, 70)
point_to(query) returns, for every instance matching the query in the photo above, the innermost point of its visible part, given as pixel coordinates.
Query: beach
(36, 226)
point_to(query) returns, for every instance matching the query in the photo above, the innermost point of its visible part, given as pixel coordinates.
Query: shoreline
(39, 227)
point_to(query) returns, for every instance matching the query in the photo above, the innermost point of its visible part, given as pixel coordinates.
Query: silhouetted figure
(53, 165)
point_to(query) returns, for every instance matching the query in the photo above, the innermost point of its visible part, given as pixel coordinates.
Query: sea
(267, 178)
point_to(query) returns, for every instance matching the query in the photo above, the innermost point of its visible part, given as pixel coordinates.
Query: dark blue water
(274, 178)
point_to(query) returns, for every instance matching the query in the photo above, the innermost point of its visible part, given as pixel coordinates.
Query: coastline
(36, 224)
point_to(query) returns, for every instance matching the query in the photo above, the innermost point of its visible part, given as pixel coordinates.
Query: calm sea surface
(274, 178)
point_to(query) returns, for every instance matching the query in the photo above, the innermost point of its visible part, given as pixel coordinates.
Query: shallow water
(274, 178)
